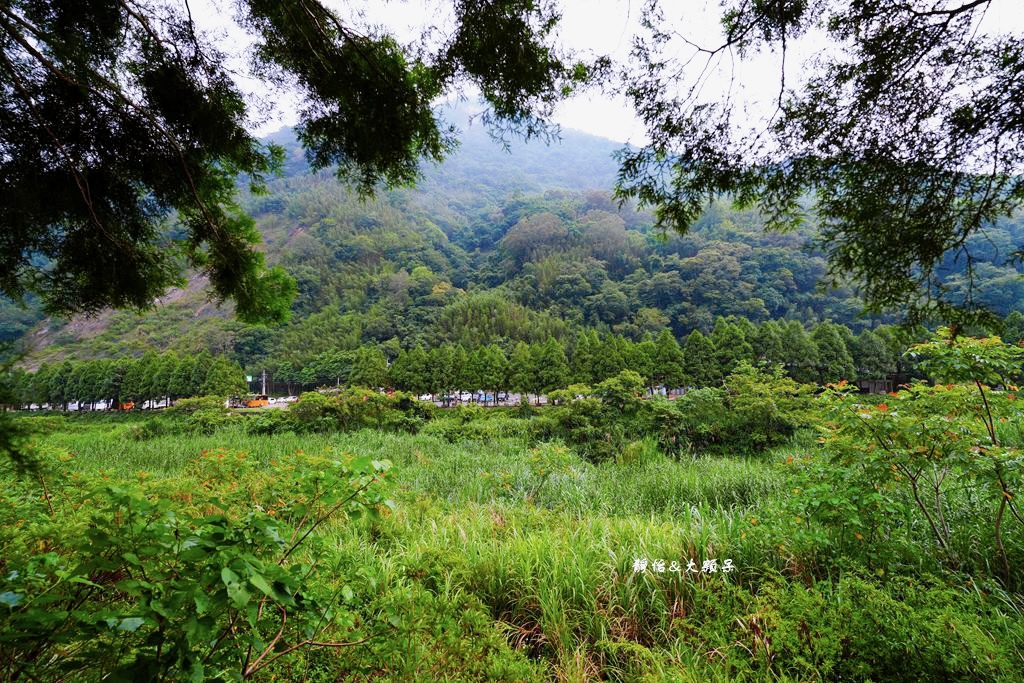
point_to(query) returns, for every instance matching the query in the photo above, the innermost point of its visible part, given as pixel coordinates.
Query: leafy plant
(908, 454)
(217, 582)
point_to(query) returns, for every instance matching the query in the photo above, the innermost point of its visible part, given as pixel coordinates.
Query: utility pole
(263, 391)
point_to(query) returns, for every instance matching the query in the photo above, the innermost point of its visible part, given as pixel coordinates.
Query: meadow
(497, 555)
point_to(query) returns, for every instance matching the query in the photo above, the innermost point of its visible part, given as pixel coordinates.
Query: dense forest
(499, 248)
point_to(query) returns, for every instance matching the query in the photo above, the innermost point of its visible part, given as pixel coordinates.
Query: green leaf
(228, 576)
(236, 590)
(202, 602)
(263, 585)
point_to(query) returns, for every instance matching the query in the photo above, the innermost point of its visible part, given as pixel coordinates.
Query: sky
(603, 27)
(597, 27)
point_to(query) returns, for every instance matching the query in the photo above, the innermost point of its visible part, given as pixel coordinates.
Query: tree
(39, 389)
(224, 378)
(731, 346)
(800, 355)
(441, 368)
(1013, 330)
(138, 382)
(872, 358)
(369, 368)
(699, 365)
(181, 381)
(490, 369)
(57, 390)
(116, 116)
(907, 135)
(584, 356)
(78, 383)
(640, 359)
(163, 379)
(521, 370)
(609, 357)
(550, 368)
(200, 369)
(834, 359)
(411, 371)
(668, 360)
(768, 343)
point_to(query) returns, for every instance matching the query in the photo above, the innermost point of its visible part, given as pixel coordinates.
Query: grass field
(504, 560)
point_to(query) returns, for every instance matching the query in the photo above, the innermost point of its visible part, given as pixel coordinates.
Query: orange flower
(882, 407)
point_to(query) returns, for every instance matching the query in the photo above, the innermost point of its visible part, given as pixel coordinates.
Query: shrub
(764, 407)
(358, 408)
(205, 414)
(129, 585)
(269, 422)
(188, 406)
(150, 429)
(756, 409)
(933, 455)
(316, 412)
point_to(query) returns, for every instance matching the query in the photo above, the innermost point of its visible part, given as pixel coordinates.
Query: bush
(150, 429)
(358, 408)
(316, 412)
(123, 582)
(857, 630)
(269, 422)
(188, 406)
(755, 410)
(205, 414)
(765, 407)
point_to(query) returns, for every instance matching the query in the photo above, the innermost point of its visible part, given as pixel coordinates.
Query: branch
(248, 670)
(324, 517)
(949, 12)
(308, 643)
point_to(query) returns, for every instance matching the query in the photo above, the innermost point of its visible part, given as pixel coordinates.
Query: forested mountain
(494, 247)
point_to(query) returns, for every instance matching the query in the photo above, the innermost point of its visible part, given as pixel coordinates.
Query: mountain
(494, 245)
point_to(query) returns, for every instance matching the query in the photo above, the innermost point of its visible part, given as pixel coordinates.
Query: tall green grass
(507, 572)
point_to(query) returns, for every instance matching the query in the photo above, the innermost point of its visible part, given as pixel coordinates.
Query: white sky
(597, 27)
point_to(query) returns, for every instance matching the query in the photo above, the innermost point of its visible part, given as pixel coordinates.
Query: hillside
(493, 246)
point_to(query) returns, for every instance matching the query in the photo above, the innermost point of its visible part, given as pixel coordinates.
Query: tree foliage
(906, 135)
(123, 132)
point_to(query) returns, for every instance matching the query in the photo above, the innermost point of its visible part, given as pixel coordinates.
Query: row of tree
(152, 377)
(827, 352)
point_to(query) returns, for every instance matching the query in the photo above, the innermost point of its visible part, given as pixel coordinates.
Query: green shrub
(906, 630)
(150, 429)
(455, 430)
(188, 406)
(155, 582)
(358, 408)
(756, 409)
(765, 407)
(269, 422)
(316, 412)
